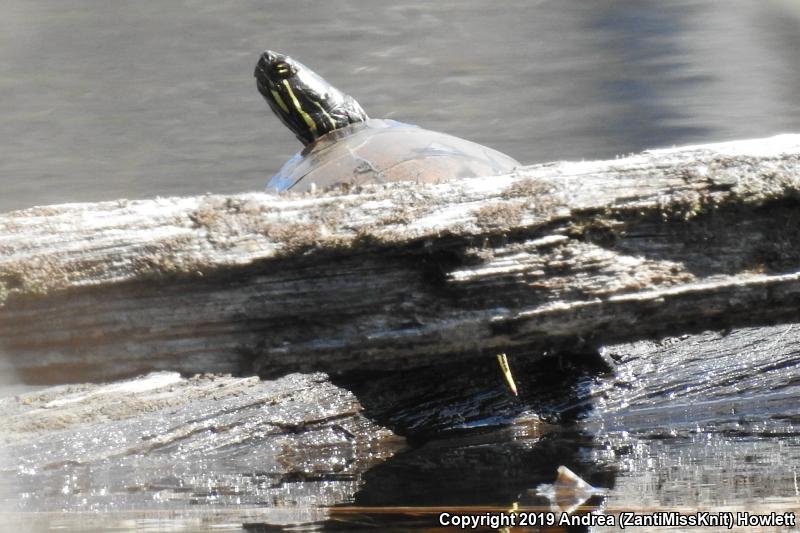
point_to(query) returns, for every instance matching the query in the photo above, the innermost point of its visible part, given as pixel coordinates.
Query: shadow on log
(406, 275)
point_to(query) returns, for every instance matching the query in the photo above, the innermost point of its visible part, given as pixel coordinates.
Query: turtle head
(306, 103)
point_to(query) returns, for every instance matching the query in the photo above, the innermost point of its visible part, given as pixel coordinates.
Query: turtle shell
(382, 150)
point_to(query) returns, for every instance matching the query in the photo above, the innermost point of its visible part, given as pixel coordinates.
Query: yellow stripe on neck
(333, 123)
(277, 97)
(306, 117)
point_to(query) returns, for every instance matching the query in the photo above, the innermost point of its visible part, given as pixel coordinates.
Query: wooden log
(298, 442)
(406, 274)
(745, 381)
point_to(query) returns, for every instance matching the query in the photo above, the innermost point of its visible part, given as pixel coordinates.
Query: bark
(405, 275)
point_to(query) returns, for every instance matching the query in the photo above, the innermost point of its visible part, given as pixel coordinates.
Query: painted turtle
(344, 146)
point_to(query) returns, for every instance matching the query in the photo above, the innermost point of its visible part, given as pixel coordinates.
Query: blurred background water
(103, 100)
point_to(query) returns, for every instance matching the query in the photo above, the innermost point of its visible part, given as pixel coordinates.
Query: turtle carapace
(344, 146)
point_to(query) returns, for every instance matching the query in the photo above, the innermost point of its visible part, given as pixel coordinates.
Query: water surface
(104, 100)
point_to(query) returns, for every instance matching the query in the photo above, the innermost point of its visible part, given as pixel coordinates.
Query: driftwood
(405, 275)
(298, 442)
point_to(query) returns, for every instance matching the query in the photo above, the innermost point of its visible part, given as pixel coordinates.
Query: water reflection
(496, 470)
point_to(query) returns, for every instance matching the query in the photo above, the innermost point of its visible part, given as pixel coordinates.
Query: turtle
(344, 147)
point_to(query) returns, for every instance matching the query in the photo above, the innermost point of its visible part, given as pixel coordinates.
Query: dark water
(103, 100)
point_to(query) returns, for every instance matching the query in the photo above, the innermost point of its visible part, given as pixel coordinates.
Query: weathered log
(406, 274)
(740, 382)
(298, 442)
